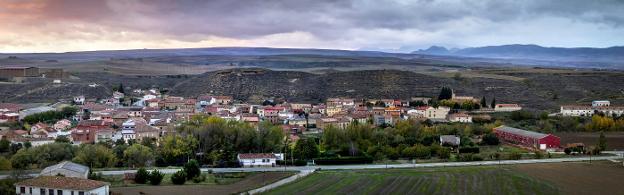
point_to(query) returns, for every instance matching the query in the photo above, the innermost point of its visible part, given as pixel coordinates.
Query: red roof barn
(527, 138)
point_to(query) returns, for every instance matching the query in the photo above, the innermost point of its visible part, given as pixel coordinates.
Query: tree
(138, 155)
(155, 177)
(141, 176)
(306, 149)
(23, 159)
(567, 151)
(95, 156)
(5, 145)
(120, 89)
(490, 139)
(602, 142)
(191, 169)
(445, 93)
(444, 153)
(493, 104)
(174, 147)
(5, 164)
(178, 178)
(483, 102)
(62, 139)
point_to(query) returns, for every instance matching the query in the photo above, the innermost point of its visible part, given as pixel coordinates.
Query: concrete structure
(601, 103)
(526, 138)
(61, 186)
(460, 117)
(257, 159)
(507, 107)
(67, 169)
(437, 113)
(601, 106)
(451, 140)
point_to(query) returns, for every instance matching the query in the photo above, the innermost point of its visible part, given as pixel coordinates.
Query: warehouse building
(526, 138)
(18, 71)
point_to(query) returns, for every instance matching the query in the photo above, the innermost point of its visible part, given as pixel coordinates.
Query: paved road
(377, 166)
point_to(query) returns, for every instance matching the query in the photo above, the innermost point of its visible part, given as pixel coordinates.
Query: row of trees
(51, 116)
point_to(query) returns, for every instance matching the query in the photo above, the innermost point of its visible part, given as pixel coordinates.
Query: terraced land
(456, 180)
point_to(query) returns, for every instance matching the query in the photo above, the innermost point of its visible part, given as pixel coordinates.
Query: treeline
(51, 116)
(549, 124)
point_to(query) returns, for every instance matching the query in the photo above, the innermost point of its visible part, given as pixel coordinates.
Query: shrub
(344, 160)
(141, 176)
(469, 150)
(490, 139)
(567, 151)
(199, 178)
(178, 178)
(444, 153)
(539, 155)
(515, 156)
(156, 177)
(191, 169)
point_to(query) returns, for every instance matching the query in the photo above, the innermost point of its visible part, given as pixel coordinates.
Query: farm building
(257, 159)
(527, 138)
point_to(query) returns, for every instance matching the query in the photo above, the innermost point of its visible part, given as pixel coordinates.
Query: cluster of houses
(598, 106)
(153, 115)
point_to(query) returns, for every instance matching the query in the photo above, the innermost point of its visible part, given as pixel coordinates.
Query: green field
(463, 180)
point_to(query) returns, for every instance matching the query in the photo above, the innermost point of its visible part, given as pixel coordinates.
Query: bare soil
(250, 182)
(615, 140)
(602, 177)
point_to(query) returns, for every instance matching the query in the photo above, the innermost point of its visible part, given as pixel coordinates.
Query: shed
(67, 169)
(526, 138)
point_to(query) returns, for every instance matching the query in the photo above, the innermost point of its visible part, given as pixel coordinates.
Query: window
(30, 190)
(80, 193)
(51, 191)
(59, 192)
(22, 190)
(42, 191)
(72, 192)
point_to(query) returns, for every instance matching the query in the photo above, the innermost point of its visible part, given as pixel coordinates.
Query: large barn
(527, 138)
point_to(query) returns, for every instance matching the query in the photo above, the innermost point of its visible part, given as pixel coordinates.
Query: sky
(394, 26)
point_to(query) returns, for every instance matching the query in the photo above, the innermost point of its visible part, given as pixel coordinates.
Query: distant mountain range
(611, 55)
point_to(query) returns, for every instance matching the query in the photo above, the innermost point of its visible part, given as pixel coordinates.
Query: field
(602, 177)
(250, 182)
(615, 140)
(462, 180)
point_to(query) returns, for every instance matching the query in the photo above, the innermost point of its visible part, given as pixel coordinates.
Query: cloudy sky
(78, 25)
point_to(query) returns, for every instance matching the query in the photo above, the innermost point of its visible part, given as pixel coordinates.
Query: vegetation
(155, 177)
(51, 116)
(138, 155)
(141, 176)
(178, 178)
(191, 169)
(95, 156)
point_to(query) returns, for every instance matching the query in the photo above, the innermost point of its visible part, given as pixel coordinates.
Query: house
(80, 100)
(34, 142)
(449, 140)
(67, 169)
(332, 110)
(221, 100)
(601, 103)
(62, 125)
(460, 117)
(86, 130)
(506, 107)
(257, 159)
(526, 138)
(60, 185)
(600, 106)
(576, 110)
(437, 113)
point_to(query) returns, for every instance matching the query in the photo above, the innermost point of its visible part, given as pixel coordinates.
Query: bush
(141, 176)
(192, 169)
(539, 155)
(344, 160)
(470, 157)
(567, 151)
(444, 153)
(515, 156)
(490, 139)
(178, 178)
(469, 150)
(199, 178)
(156, 177)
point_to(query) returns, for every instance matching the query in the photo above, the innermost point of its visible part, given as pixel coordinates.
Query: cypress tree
(483, 102)
(493, 102)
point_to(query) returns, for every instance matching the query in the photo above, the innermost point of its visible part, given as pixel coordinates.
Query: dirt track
(251, 182)
(615, 140)
(602, 177)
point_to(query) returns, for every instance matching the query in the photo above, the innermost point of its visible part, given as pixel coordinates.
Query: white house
(79, 100)
(61, 186)
(601, 103)
(257, 159)
(507, 107)
(460, 117)
(437, 113)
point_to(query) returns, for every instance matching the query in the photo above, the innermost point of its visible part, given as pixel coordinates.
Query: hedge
(344, 160)
(469, 150)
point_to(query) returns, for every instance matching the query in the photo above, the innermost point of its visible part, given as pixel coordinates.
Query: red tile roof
(59, 182)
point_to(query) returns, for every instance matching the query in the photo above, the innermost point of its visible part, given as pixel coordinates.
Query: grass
(453, 180)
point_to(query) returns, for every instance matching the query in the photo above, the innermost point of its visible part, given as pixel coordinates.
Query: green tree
(483, 102)
(175, 146)
(62, 139)
(141, 176)
(138, 155)
(191, 169)
(306, 149)
(490, 139)
(5, 164)
(23, 159)
(120, 89)
(95, 156)
(5, 145)
(445, 93)
(493, 104)
(155, 177)
(178, 178)
(602, 142)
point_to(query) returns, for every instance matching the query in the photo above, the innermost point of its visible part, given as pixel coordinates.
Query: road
(376, 166)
